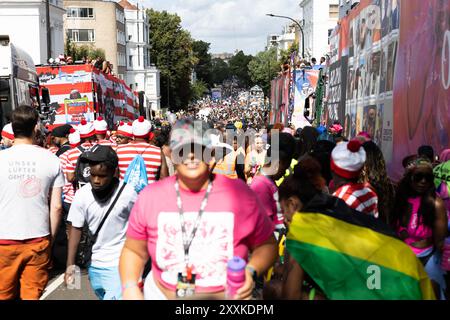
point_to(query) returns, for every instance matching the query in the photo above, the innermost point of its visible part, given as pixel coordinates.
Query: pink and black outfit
(418, 231)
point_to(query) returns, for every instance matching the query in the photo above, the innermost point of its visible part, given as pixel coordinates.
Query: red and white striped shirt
(151, 155)
(53, 150)
(73, 155)
(68, 189)
(107, 143)
(360, 197)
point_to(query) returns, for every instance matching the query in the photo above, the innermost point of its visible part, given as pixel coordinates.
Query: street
(57, 290)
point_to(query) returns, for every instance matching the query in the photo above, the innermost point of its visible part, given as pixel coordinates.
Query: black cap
(62, 131)
(100, 153)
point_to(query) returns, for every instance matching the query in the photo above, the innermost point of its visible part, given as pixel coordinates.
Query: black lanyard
(187, 241)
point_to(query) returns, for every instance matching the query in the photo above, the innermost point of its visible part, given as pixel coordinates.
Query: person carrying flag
(344, 252)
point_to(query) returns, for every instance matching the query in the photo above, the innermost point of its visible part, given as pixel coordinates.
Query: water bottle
(445, 262)
(75, 278)
(235, 276)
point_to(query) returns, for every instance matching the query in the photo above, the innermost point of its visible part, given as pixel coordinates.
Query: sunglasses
(419, 177)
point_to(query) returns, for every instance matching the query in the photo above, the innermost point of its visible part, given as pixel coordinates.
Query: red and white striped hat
(141, 127)
(8, 132)
(348, 159)
(74, 138)
(125, 129)
(100, 126)
(86, 129)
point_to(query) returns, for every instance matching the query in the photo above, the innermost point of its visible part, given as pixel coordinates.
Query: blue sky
(230, 24)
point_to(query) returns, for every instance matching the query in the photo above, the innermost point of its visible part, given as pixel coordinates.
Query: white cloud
(230, 24)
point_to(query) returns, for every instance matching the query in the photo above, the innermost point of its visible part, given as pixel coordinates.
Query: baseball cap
(61, 131)
(187, 132)
(100, 153)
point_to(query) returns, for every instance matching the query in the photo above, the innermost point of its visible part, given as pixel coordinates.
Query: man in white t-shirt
(90, 205)
(31, 183)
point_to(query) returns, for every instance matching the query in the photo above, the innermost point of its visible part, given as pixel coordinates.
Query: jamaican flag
(352, 256)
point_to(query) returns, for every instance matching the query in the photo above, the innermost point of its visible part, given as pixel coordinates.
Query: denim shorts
(105, 282)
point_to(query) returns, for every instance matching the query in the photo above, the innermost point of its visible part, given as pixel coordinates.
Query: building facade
(319, 19)
(25, 21)
(100, 24)
(284, 40)
(141, 75)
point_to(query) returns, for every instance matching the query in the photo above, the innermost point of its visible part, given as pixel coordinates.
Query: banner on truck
(78, 92)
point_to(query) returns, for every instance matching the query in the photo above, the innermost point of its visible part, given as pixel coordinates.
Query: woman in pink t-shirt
(191, 225)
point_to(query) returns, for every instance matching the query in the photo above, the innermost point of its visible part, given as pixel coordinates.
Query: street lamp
(298, 24)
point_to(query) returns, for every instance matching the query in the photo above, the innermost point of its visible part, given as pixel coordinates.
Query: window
(80, 12)
(121, 59)
(81, 35)
(130, 61)
(120, 16)
(334, 11)
(121, 37)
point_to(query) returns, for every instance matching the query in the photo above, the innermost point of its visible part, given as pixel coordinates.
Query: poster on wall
(422, 102)
(305, 85)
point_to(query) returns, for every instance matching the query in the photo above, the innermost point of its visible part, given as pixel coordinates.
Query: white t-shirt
(106, 250)
(27, 173)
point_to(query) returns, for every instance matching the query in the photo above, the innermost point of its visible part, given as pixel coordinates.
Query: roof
(126, 5)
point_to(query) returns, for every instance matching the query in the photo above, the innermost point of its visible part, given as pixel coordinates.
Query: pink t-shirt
(233, 222)
(267, 193)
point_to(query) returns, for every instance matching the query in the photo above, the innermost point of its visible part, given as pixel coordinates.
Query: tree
(172, 51)
(285, 55)
(199, 89)
(220, 71)
(263, 68)
(239, 68)
(203, 68)
(78, 52)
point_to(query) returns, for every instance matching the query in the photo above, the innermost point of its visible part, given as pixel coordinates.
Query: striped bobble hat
(8, 132)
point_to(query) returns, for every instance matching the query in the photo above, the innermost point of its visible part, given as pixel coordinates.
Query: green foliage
(204, 67)
(220, 71)
(285, 55)
(172, 52)
(239, 68)
(263, 68)
(199, 89)
(78, 52)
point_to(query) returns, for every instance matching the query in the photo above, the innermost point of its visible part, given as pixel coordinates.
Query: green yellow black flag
(352, 256)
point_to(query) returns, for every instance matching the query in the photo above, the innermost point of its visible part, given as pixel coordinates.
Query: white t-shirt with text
(27, 173)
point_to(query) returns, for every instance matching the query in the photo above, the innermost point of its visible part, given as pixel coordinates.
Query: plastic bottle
(235, 276)
(445, 262)
(75, 278)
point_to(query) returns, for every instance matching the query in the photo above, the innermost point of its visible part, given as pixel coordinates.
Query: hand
(134, 293)
(245, 292)
(68, 276)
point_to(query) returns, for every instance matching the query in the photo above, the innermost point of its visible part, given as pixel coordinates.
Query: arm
(70, 176)
(131, 265)
(247, 166)
(55, 211)
(292, 286)
(240, 166)
(440, 226)
(74, 240)
(262, 258)
(164, 170)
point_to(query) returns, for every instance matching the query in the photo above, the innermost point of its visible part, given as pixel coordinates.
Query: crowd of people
(153, 209)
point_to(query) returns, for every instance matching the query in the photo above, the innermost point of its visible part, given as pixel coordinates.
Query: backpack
(82, 170)
(136, 174)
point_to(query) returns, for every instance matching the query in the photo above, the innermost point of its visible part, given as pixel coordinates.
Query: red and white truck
(81, 91)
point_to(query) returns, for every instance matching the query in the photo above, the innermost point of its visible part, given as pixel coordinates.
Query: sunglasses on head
(419, 177)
